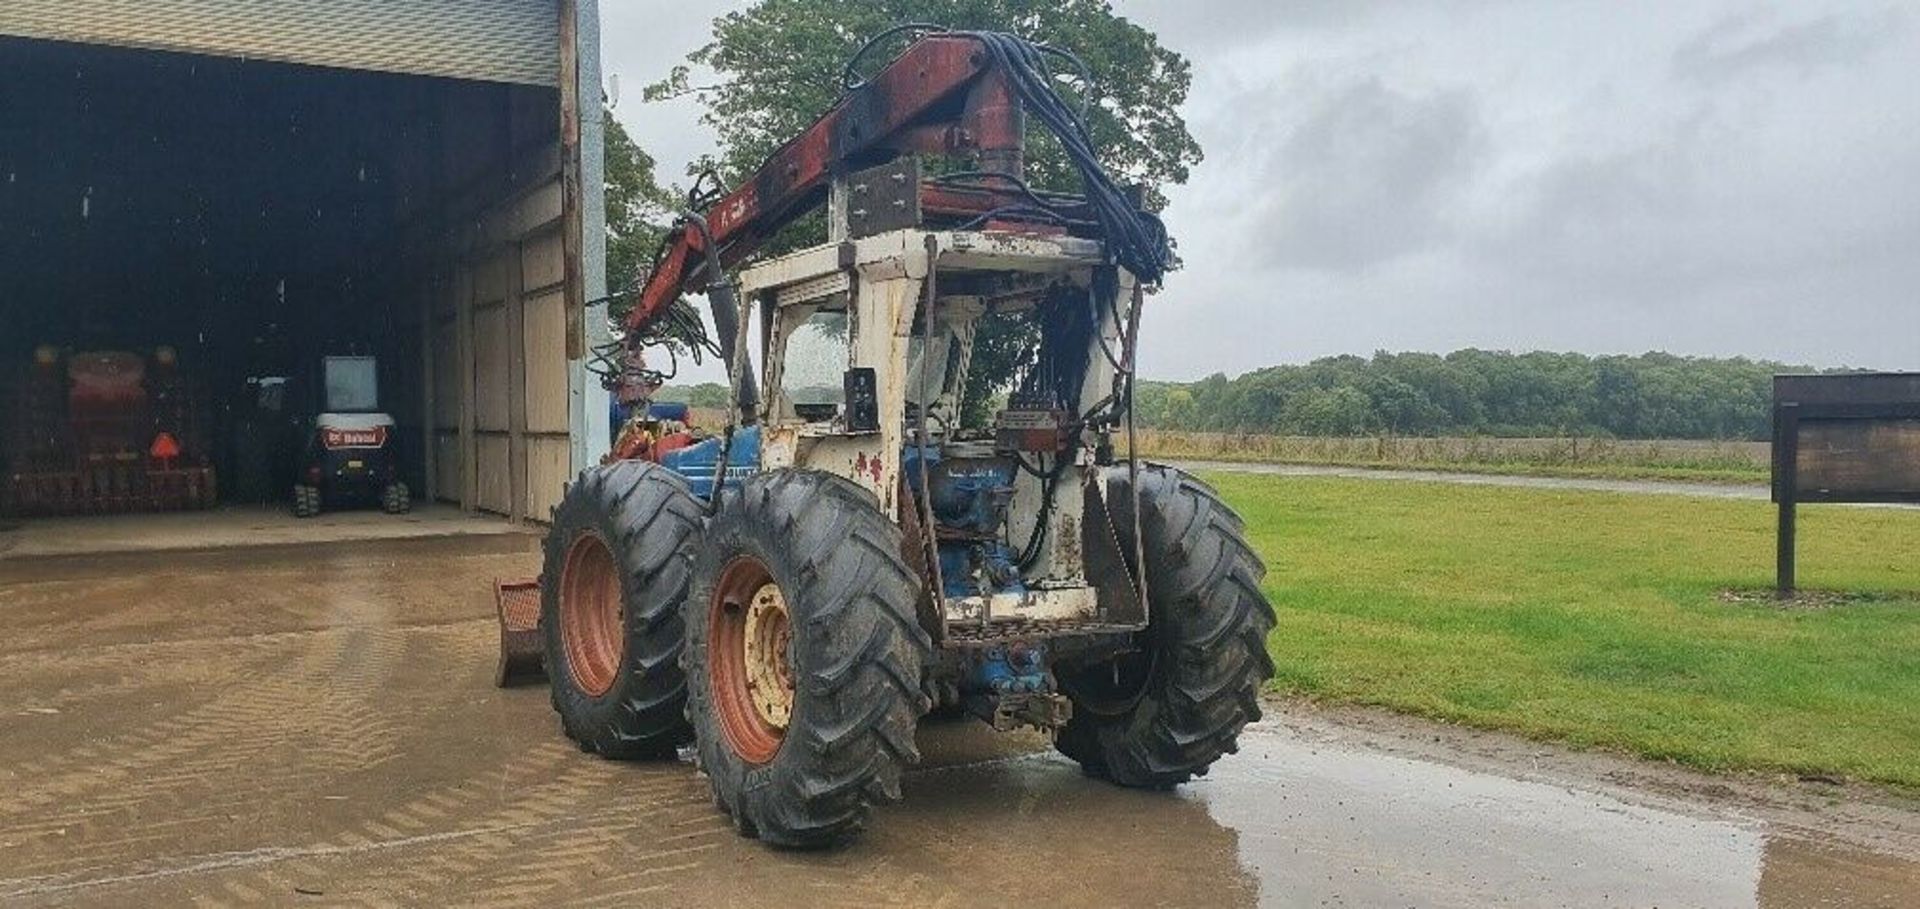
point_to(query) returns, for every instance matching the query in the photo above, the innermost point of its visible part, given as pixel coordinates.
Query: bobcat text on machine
(864, 540)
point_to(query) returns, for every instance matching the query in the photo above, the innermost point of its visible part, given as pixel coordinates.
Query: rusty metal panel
(884, 198)
(514, 41)
(522, 648)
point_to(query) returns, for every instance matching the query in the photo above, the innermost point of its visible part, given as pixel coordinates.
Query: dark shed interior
(253, 216)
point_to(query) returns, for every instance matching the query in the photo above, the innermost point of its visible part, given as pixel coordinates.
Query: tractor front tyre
(804, 658)
(306, 501)
(396, 498)
(1162, 714)
(616, 567)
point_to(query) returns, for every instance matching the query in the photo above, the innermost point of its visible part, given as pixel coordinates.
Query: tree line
(1479, 392)
(1464, 393)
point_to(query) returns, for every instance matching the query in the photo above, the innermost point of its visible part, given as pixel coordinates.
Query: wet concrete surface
(232, 525)
(317, 727)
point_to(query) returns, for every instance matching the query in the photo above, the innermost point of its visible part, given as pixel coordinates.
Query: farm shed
(252, 185)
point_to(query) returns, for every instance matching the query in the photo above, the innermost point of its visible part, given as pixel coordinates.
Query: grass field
(1668, 459)
(1599, 619)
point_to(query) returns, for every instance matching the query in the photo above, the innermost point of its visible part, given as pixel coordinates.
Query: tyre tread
(648, 515)
(1204, 590)
(854, 604)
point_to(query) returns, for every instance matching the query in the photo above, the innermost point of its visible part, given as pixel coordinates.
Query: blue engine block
(970, 500)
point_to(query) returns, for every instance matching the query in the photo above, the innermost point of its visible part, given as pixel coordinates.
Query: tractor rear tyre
(617, 563)
(396, 498)
(803, 658)
(306, 501)
(1159, 716)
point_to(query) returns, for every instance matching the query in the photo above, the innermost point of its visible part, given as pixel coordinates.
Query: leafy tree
(1339, 411)
(1481, 392)
(638, 210)
(709, 395)
(780, 64)
(1179, 405)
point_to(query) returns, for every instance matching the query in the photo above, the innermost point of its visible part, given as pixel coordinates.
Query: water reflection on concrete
(1320, 825)
(1291, 822)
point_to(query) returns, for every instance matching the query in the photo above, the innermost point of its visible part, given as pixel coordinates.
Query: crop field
(1674, 459)
(1631, 622)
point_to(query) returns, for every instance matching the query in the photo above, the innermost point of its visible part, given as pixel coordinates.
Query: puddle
(1331, 826)
(1289, 822)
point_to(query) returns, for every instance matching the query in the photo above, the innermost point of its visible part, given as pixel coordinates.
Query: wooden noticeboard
(1842, 438)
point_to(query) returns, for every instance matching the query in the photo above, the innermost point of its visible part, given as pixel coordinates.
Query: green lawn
(1598, 618)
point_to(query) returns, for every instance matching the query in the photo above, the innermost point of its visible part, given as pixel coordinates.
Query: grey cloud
(1613, 222)
(1740, 43)
(1360, 173)
(1578, 175)
(1228, 24)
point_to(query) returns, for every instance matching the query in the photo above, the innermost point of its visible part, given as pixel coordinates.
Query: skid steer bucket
(521, 649)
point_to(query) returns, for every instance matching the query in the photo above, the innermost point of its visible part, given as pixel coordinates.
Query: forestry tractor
(864, 541)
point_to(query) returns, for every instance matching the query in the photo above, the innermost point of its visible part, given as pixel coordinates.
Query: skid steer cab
(347, 457)
(920, 496)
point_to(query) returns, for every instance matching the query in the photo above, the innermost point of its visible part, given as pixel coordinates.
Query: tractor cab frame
(897, 430)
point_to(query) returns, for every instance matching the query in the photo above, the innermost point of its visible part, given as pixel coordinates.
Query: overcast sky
(1719, 177)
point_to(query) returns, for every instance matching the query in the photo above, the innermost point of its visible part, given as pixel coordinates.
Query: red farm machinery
(101, 432)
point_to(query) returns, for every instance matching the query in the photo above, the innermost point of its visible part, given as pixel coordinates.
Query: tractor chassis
(997, 648)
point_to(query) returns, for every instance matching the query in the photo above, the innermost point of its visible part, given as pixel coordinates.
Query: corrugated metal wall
(491, 40)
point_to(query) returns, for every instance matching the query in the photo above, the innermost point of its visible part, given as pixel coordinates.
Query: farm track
(1590, 484)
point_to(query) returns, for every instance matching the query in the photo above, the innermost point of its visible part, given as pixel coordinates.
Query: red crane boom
(943, 95)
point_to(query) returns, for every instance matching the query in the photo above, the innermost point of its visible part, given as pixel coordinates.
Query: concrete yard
(316, 725)
(232, 525)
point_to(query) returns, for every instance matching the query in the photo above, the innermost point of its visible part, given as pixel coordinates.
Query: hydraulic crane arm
(945, 94)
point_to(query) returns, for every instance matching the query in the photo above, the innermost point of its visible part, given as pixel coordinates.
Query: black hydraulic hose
(723, 297)
(727, 321)
(1135, 239)
(726, 318)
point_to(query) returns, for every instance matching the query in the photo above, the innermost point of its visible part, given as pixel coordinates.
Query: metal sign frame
(1803, 399)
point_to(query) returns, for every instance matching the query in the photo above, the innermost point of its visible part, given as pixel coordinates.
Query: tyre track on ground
(515, 845)
(315, 706)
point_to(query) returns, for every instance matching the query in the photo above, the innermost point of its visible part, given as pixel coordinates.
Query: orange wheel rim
(591, 614)
(749, 646)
